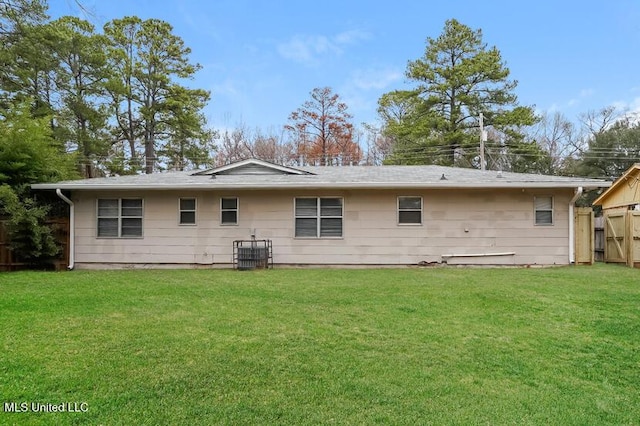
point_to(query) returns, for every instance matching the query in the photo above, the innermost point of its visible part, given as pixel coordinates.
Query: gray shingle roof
(327, 177)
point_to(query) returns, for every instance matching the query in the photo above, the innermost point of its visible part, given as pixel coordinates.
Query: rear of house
(338, 216)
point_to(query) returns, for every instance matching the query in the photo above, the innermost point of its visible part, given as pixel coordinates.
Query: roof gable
(252, 166)
(624, 191)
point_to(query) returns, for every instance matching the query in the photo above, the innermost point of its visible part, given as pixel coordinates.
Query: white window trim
(237, 210)
(409, 210)
(318, 217)
(195, 211)
(119, 217)
(535, 210)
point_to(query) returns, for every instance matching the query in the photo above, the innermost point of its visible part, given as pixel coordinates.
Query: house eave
(323, 186)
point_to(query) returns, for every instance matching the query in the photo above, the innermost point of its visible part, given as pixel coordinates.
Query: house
(338, 216)
(621, 211)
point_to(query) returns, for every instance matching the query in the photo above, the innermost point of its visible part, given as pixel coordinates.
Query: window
(187, 211)
(318, 217)
(120, 217)
(229, 211)
(410, 210)
(543, 207)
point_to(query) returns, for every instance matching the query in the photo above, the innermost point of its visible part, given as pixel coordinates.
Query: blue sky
(261, 59)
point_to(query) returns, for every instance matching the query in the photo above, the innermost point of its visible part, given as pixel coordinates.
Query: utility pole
(483, 139)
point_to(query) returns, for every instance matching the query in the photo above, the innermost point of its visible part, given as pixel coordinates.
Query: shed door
(614, 232)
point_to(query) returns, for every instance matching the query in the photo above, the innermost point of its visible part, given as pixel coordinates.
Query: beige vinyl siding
(453, 222)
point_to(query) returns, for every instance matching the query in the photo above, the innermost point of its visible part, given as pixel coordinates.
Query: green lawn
(390, 346)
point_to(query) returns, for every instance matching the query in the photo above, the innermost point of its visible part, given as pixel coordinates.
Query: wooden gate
(615, 237)
(584, 236)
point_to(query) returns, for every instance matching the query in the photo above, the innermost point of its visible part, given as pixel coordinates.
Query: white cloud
(579, 99)
(634, 105)
(363, 88)
(586, 93)
(582, 95)
(227, 87)
(307, 49)
(628, 107)
(375, 79)
(629, 110)
(351, 37)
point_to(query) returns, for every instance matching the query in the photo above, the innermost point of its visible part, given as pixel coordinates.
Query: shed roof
(625, 191)
(257, 174)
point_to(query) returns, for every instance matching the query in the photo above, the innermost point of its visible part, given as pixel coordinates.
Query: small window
(120, 218)
(318, 217)
(410, 210)
(187, 211)
(229, 211)
(543, 207)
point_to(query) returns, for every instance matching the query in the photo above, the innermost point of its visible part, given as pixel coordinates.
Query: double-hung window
(229, 211)
(187, 211)
(318, 217)
(410, 210)
(120, 217)
(543, 207)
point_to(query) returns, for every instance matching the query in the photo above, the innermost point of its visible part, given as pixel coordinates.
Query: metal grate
(252, 254)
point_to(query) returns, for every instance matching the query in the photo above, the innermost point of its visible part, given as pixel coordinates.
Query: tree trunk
(149, 153)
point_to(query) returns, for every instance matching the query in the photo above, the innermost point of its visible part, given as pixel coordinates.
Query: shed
(621, 211)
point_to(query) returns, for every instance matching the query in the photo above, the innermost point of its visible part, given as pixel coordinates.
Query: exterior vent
(252, 169)
(252, 254)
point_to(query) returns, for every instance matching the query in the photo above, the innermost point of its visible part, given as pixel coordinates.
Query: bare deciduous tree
(558, 137)
(322, 131)
(378, 145)
(597, 121)
(242, 143)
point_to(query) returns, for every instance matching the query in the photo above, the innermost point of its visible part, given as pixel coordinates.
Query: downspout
(72, 246)
(572, 224)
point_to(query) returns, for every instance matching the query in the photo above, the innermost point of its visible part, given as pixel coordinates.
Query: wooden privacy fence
(60, 228)
(599, 239)
(622, 237)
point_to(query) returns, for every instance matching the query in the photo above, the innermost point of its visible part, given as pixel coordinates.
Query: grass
(404, 346)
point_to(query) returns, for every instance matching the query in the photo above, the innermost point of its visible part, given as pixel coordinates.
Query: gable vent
(252, 169)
